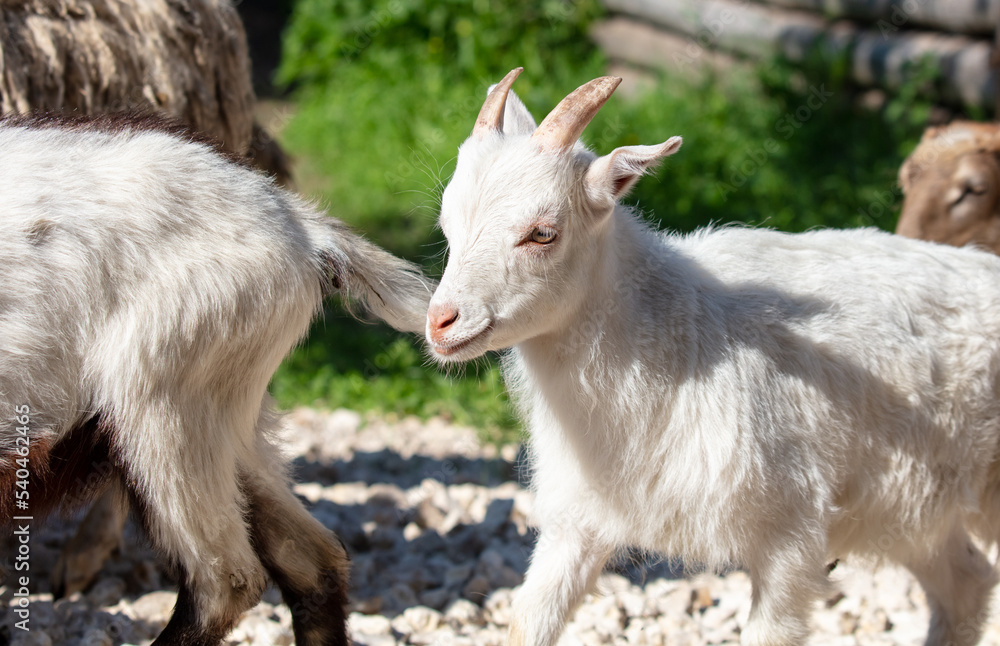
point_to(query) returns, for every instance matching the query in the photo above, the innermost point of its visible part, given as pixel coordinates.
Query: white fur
(735, 397)
(146, 279)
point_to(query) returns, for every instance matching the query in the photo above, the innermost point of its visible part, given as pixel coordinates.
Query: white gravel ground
(438, 527)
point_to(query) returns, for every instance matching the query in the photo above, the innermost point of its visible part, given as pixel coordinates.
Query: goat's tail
(391, 288)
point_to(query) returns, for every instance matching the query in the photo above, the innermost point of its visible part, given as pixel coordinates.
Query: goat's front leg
(787, 581)
(564, 566)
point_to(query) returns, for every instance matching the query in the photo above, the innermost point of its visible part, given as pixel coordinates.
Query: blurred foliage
(386, 91)
(788, 147)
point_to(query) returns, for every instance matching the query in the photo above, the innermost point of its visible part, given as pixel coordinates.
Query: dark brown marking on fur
(67, 475)
(130, 122)
(318, 605)
(332, 270)
(333, 263)
(319, 616)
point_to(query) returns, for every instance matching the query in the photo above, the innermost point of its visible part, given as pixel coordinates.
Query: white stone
(155, 607)
(391, 578)
(422, 619)
(463, 612)
(368, 624)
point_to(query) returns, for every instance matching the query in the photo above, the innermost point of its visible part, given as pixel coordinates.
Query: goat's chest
(624, 468)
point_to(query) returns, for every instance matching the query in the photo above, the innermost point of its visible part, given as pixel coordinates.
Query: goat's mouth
(451, 349)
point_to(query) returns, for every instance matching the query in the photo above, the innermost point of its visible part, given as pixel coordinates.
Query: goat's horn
(564, 125)
(491, 114)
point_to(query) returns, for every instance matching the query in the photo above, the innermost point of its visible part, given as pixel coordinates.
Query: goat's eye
(542, 235)
(958, 195)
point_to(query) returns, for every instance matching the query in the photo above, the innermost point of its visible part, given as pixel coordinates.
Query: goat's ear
(516, 118)
(614, 174)
(907, 175)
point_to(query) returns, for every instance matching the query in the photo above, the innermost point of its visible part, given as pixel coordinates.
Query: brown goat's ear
(907, 173)
(617, 172)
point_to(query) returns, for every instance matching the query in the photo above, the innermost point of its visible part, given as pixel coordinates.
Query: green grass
(386, 93)
(367, 367)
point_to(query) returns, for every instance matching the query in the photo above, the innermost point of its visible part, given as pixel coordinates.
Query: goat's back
(135, 259)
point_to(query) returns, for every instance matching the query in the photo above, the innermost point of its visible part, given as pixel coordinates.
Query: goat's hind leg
(958, 581)
(189, 501)
(96, 538)
(306, 560)
(218, 579)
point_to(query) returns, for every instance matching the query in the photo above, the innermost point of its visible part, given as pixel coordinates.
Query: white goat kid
(149, 287)
(736, 397)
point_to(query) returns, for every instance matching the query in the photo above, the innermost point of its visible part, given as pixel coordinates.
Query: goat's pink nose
(440, 318)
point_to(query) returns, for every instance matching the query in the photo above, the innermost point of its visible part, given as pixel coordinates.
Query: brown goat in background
(951, 183)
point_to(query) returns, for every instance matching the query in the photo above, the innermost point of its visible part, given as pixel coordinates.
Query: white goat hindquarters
(119, 264)
(149, 288)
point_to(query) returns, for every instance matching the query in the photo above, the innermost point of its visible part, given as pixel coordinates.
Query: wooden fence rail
(883, 40)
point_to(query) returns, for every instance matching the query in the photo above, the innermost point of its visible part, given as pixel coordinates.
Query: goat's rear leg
(97, 536)
(958, 581)
(219, 575)
(306, 560)
(185, 490)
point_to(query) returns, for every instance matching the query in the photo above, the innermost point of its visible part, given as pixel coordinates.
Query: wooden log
(974, 17)
(642, 44)
(876, 58)
(966, 75)
(741, 27)
(995, 64)
(185, 59)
